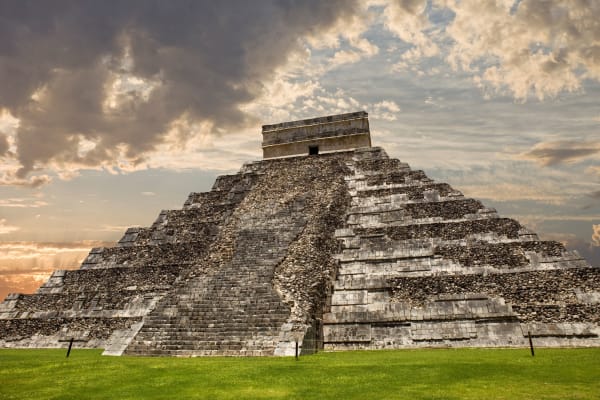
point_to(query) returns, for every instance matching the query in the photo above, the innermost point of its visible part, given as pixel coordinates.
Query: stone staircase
(233, 310)
(233, 307)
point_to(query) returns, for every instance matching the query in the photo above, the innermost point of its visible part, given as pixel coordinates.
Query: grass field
(406, 374)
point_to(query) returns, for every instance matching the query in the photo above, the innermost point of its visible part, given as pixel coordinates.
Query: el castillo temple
(326, 242)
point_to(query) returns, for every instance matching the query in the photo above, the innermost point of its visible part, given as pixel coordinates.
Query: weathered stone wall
(92, 329)
(334, 133)
(315, 128)
(412, 192)
(505, 255)
(536, 296)
(503, 227)
(324, 145)
(421, 265)
(150, 254)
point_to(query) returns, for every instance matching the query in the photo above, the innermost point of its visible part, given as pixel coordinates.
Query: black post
(530, 344)
(296, 350)
(70, 345)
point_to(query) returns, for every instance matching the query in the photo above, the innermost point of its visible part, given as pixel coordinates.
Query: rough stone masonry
(327, 242)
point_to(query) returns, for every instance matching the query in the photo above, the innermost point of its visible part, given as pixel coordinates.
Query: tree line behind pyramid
(328, 243)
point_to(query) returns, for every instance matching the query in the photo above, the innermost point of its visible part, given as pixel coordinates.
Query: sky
(111, 111)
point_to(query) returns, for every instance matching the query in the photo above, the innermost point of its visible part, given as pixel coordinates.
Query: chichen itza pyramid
(327, 242)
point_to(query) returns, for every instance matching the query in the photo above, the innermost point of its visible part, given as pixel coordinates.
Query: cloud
(560, 152)
(409, 21)
(587, 250)
(596, 235)
(350, 29)
(25, 283)
(9, 178)
(551, 217)
(539, 47)
(594, 170)
(595, 196)
(4, 228)
(22, 203)
(288, 100)
(109, 228)
(24, 266)
(33, 255)
(509, 192)
(507, 181)
(525, 48)
(100, 83)
(148, 194)
(3, 144)
(386, 110)
(112, 85)
(220, 152)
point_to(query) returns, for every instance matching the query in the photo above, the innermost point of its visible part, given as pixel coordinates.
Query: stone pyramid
(327, 242)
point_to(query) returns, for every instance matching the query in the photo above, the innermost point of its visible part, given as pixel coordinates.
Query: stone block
(347, 333)
(349, 297)
(588, 297)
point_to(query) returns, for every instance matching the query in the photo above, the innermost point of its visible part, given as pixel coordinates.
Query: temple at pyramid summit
(326, 242)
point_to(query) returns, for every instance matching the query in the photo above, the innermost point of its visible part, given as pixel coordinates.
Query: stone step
(206, 353)
(179, 327)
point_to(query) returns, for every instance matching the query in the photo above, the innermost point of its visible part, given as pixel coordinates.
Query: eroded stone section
(304, 277)
(500, 255)
(536, 296)
(503, 227)
(266, 275)
(49, 331)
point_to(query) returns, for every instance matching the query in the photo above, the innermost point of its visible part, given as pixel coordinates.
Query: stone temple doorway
(313, 150)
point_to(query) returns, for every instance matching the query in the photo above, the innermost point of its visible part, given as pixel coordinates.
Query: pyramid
(326, 243)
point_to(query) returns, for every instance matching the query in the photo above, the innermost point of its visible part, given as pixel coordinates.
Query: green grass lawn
(405, 374)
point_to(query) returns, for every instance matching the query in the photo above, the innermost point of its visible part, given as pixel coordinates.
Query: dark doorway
(313, 150)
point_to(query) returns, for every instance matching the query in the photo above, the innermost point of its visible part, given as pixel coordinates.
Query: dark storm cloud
(590, 252)
(24, 266)
(559, 152)
(596, 200)
(3, 145)
(206, 58)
